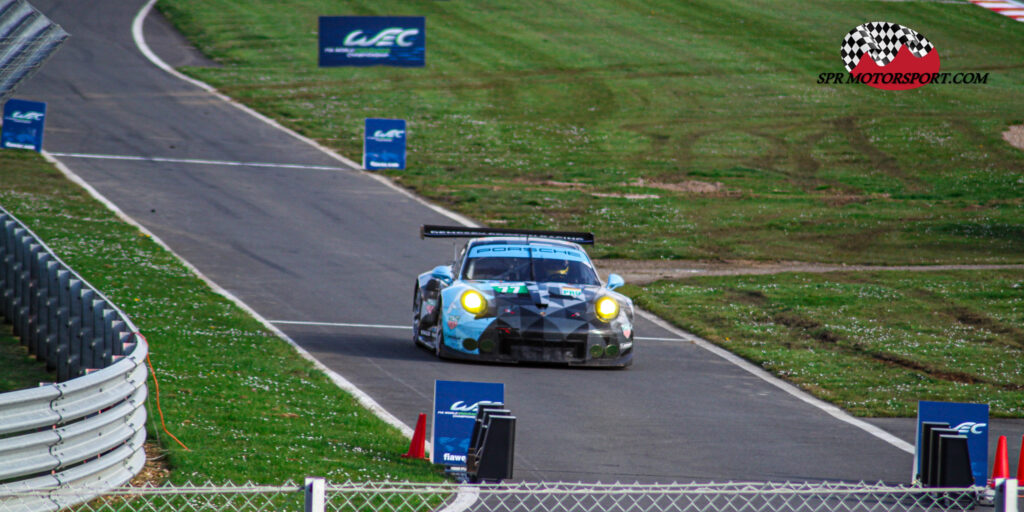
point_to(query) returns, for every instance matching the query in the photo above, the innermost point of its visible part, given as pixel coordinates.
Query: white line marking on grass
(792, 390)
(198, 161)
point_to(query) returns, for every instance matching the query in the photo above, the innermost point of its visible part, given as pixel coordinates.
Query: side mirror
(442, 273)
(615, 281)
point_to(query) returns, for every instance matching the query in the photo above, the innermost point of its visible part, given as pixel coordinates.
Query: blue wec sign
(373, 41)
(455, 406)
(384, 144)
(23, 124)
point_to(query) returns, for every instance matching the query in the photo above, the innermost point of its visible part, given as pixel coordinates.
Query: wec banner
(373, 41)
(23, 124)
(969, 420)
(384, 144)
(455, 405)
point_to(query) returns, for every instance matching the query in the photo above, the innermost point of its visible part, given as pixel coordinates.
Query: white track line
(140, 42)
(338, 324)
(338, 380)
(792, 390)
(466, 496)
(361, 396)
(198, 161)
(728, 356)
(757, 371)
(405, 327)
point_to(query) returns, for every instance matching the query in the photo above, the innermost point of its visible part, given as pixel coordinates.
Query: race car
(514, 295)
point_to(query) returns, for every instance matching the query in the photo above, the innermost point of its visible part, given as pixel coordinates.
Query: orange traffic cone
(1020, 462)
(418, 445)
(1001, 469)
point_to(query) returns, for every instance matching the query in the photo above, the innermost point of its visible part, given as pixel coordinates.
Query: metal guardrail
(27, 39)
(88, 430)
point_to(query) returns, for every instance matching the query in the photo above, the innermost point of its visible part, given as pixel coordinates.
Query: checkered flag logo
(882, 40)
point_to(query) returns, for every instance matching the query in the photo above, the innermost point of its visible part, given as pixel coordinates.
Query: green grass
(873, 343)
(242, 400)
(549, 114)
(20, 370)
(526, 111)
(659, 98)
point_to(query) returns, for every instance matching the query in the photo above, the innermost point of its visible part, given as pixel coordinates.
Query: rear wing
(428, 231)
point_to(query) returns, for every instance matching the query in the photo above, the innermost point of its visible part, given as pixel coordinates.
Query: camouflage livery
(540, 303)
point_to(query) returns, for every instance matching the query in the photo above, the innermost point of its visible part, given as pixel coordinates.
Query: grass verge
(21, 370)
(242, 400)
(678, 130)
(873, 343)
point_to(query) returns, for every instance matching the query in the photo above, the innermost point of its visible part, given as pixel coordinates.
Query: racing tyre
(439, 340)
(417, 305)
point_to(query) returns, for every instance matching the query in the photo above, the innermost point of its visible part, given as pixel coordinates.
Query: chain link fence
(514, 497)
(27, 39)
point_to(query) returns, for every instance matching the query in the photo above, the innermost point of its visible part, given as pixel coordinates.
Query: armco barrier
(27, 39)
(86, 431)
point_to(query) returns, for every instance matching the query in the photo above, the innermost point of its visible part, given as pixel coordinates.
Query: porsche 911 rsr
(522, 296)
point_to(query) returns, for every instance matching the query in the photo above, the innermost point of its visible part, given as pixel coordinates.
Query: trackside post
(1006, 495)
(315, 494)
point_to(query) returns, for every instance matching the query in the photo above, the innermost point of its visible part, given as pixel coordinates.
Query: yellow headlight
(473, 302)
(607, 309)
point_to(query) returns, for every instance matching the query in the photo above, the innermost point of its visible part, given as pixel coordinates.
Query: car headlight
(473, 302)
(606, 308)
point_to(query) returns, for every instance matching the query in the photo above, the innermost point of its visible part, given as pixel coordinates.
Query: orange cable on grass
(156, 384)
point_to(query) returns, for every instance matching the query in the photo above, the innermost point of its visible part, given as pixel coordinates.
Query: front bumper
(501, 342)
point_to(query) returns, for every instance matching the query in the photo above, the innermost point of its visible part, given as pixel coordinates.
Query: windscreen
(541, 263)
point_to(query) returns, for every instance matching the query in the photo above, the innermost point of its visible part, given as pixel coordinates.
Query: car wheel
(439, 339)
(417, 305)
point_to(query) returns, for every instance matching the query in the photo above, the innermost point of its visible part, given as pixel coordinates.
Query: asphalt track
(308, 244)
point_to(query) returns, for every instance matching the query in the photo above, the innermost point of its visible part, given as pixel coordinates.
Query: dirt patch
(626, 196)
(845, 199)
(689, 186)
(685, 187)
(565, 184)
(156, 471)
(751, 297)
(1015, 136)
(967, 316)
